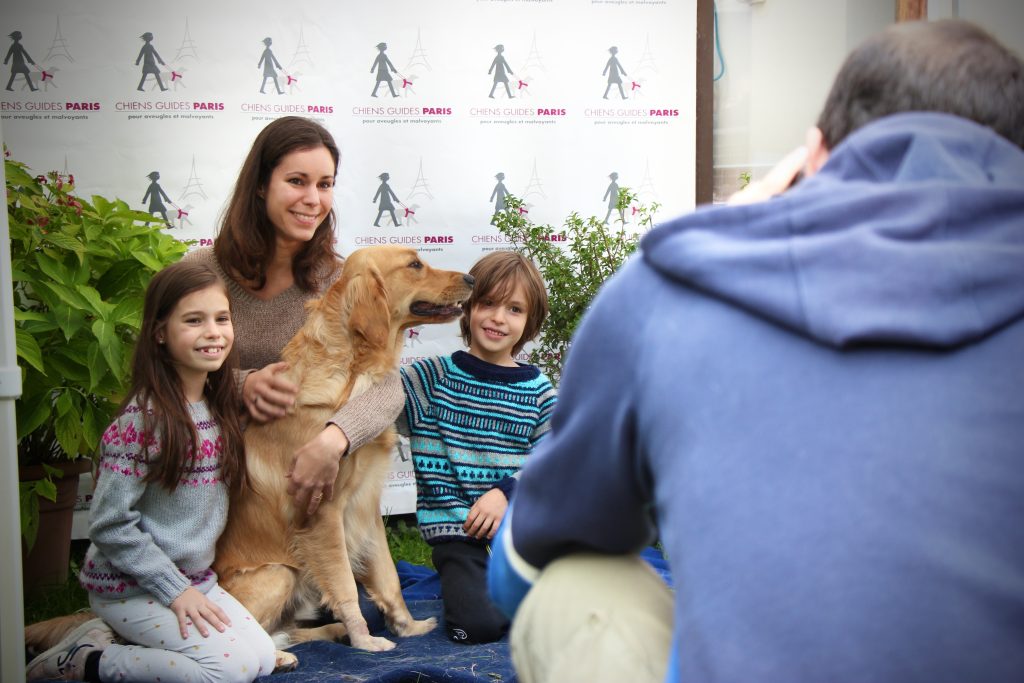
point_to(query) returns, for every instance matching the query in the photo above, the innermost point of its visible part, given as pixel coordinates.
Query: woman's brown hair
(246, 241)
(494, 277)
(157, 390)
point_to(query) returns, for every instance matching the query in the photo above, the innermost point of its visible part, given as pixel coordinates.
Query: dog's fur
(271, 556)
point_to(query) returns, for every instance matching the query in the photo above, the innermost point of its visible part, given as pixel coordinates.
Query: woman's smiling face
(299, 194)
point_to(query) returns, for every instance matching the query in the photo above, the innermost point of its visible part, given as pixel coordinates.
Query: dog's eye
(416, 264)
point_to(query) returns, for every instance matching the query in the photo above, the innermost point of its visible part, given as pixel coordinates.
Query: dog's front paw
(284, 661)
(417, 628)
(372, 643)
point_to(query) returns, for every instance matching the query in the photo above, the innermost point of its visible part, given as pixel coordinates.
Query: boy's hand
(193, 606)
(486, 514)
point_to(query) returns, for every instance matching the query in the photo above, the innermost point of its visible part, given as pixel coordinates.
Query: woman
(270, 66)
(500, 69)
(275, 250)
(149, 58)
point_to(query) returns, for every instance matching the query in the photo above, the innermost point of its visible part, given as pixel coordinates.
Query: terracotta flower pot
(47, 563)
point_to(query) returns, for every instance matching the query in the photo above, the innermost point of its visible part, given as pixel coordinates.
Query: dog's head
(390, 288)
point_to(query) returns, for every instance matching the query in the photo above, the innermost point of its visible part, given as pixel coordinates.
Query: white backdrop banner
(439, 107)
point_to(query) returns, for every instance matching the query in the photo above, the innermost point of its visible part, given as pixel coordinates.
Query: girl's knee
(238, 666)
(239, 661)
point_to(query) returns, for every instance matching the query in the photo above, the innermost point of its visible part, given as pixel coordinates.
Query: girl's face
(299, 194)
(495, 327)
(198, 335)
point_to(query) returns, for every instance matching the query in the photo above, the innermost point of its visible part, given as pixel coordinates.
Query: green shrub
(575, 261)
(80, 269)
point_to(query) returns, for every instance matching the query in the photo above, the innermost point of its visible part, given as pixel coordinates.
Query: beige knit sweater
(262, 328)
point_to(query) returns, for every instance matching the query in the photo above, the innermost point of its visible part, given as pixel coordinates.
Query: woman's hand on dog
(314, 469)
(192, 606)
(268, 394)
(485, 516)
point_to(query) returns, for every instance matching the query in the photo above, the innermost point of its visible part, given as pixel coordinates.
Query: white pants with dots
(241, 653)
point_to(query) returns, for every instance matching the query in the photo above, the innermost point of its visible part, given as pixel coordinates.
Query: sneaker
(66, 659)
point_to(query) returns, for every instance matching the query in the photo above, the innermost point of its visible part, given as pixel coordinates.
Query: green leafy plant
(745, 179)
(80, 269)
(575, 261)
(406, 543)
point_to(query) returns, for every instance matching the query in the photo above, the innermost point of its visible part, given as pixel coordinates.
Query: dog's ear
(371, 310)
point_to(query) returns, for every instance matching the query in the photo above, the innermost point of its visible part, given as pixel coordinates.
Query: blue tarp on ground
(430, 658)
(422, 659)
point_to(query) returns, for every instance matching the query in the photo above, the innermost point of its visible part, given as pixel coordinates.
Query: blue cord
(718, 44)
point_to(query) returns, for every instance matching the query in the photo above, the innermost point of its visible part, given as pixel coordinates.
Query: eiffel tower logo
(301, 55)
(418, 56)
(187, 47)
(646, 189)
(646, 60)
(420, 186)
(59, 46)
(534, 187)
(194, 186)
(533, 59)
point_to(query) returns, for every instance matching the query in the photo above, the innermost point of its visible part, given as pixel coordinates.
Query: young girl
(160, 504)
(472, 419)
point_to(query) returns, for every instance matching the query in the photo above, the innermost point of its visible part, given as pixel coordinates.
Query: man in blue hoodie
(815, 402)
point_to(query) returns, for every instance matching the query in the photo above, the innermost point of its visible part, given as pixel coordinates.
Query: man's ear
(817, 152)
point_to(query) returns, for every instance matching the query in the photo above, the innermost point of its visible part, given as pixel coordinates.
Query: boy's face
(495, 327)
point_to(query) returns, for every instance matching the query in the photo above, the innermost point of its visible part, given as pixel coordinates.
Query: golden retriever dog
(272, 557)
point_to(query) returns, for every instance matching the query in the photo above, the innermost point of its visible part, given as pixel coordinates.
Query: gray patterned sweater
(144, 538)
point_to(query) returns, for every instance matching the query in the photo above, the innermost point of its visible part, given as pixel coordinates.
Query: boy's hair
(156, 386)
(247, 238)
(949, 66)
(495, 276)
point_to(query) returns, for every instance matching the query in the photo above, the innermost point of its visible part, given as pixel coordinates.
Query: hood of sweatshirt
(912, 233)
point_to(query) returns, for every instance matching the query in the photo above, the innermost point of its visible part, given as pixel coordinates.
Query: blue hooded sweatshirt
(818, 403)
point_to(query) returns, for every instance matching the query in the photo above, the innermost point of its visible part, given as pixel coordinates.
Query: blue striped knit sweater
(471, 425)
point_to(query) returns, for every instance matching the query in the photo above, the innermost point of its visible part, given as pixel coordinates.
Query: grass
(404, 541)
(65, 598)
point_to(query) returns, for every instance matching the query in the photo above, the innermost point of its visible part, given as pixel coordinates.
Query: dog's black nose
(469, 279)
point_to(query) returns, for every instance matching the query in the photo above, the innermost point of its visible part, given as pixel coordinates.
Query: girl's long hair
(246, 240)
(157, 390)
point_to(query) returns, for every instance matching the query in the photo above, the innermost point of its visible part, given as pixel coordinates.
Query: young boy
(472, 419)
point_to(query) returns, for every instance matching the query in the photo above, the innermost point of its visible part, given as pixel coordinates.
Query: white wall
(780, 59)
(1003, 18)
